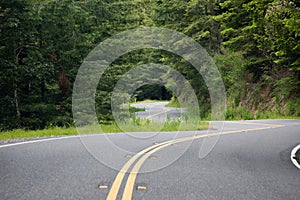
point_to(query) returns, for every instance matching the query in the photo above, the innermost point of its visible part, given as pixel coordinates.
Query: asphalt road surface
(251, 160)
(158, 112)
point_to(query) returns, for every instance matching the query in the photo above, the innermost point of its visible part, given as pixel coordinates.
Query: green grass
(134, 109)
(141, 125)
(20, 133)
(240, 113)
(173, 103)
(146, 125)
(148, 101)
(134, 125)
(131, 108)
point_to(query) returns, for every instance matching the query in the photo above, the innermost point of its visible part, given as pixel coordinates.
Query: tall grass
(21, 133)
(132, 125)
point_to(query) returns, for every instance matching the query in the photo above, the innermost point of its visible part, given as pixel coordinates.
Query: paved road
(250, 161)
(157, 111)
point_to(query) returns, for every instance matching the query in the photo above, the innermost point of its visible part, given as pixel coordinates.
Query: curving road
(250, 161)
(158, 112)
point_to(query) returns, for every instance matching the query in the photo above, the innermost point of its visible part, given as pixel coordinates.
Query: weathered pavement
(250, 162)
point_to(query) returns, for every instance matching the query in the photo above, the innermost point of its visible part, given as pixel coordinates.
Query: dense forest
(255, 44)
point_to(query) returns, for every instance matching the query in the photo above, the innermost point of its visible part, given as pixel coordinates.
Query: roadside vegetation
(173, 103)
(148, 101)
(134, 125)
(134, 109)
(242, 113)
(254, 43)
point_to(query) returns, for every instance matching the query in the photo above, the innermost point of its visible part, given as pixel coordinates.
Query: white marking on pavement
(36, 141)
(293, 155)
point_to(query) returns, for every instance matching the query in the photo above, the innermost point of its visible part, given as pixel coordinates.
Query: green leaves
(251, 40)
(282, 32)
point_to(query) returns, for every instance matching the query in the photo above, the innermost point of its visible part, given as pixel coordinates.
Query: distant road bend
(158, 112)
(250, 161)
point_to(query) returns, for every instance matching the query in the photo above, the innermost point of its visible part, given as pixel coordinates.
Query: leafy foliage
(43, 43)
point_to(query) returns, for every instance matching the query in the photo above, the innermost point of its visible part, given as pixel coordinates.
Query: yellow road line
(112, 195)
(165, 111)
(127, 195)
(254, 123)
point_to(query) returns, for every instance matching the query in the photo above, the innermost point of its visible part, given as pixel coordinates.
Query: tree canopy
(254, 43)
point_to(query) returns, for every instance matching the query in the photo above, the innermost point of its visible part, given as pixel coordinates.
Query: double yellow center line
(146, 153)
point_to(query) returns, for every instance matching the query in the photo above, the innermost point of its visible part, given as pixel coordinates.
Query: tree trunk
(215, 36)
(16, 96)
(17, 105)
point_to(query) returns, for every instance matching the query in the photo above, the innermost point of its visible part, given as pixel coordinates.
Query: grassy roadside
(173, 103)
(137, 126)
(148, 101)
(134, 109)
(240, 113)
(21, 133)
